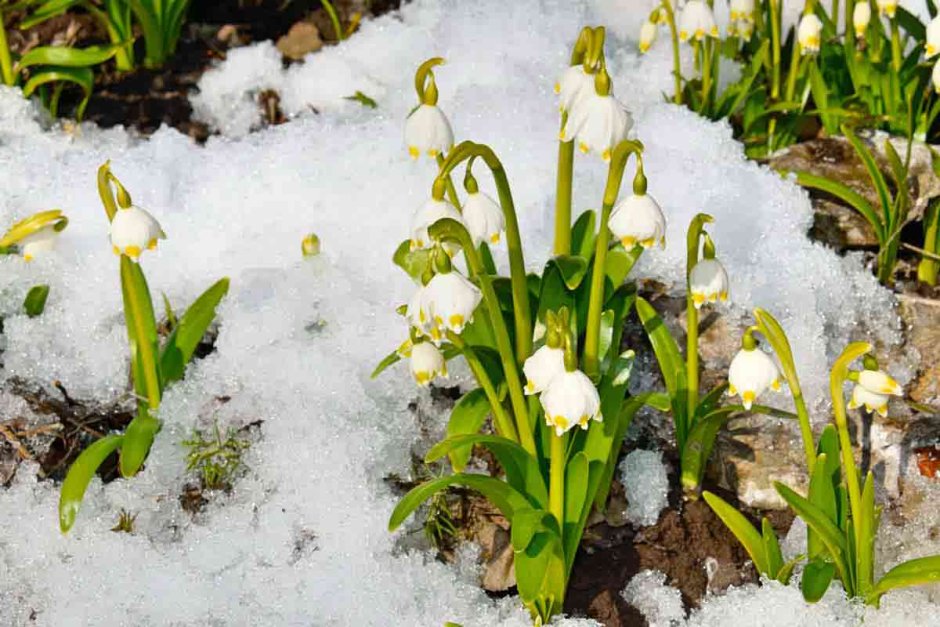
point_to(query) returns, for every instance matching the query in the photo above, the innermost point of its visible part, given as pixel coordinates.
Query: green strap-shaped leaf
(46, 11)
(619, 262)
(830, 534)
(79, 475)
(138, 438)
(582, 234)
(664, 345)
(874, 172)
(500, 494)
(522, 470)
(81, 76)
(388, 360)
(577, 475)
(572, 269)
(847, 195)
(67, 57)
(35, 302)
(749, 537)
(771, 548)
(413, 262)
(466, 418)
(865, 546)
(822, 494)
(141, 332)
(817, 575)
(922, 570)
(189, 331)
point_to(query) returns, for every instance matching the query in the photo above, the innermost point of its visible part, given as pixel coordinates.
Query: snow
(661, 605)
(302, 538)
(646, 486)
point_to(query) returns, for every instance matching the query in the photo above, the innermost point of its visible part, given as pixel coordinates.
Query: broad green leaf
(576, 500)
(79, 475)
(500, 494)
(621, 369)
(830, 534)
(541, 574)
(527, 523)
(466, 418)
(141, 333)
(743, 530)
(874, 172)
(486, 256)
(572, 269)
(771, 548)
(817, 575)
(914, 572)
(910, 24)
(822, 494)
(189, 331)
(137, 441)
(619, 262)
(583, 234)
(414, 262)
(865, 548)
(605, 440)
(35, 302)
(46, 11)
(81, 76)
(522, 470)
(664, 345)
(67, 57)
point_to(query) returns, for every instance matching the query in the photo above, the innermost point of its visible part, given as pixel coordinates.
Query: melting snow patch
(661, 605)
(646, 486)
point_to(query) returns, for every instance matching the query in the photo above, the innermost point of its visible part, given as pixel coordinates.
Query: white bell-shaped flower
(41, 241)
(484, 218)
(427, 363)
(697, 21)
(648, 33)
(888, 7)
(809, 34)
(598, 124)
(871, 401)
(574, 86)
(419, 315)
(879, 382)
(570, 399)
(134, 230)
(451, 300)
(932, 43)
(637, 219)
(742, 10)
(427, 131)
(750, 374)
(426, 215)
(542, 367)
(861, 18)
(708, 282)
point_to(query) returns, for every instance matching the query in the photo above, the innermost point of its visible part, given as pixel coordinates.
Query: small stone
(302, 39)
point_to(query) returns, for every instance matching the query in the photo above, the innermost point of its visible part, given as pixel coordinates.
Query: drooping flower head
(134, 230)
(427, 130)
(542, 367)
(879, 382)
(861, 17)
(809, 34)
(599, 121)
(932, 42)
(574, 86)
(742, 10)
(638, 219)
(887, 7)
(752, 371)
(451, 300)
(697, 21)
(427, 363)
(36, 234)
(570, 399)
(482, 215)
(871, 401)
(426, 215)
(648, 33)
(708, 282)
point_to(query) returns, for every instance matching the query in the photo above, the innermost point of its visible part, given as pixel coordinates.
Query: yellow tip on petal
(116, 250)
(455, 322)
(606, 154)
(414, 152)
(648, 242)
(494, 239)
(732, 391)
(152, 244)
(748, 399)
(683, 35)
(132, 251)
(698, 299)
(27, 257)
(584, 148)
(557, 88)
(775, 385)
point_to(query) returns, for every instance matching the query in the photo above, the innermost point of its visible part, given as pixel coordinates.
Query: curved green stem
(447, 228)
(6, 63)
(504, 425)
(556, 485)
(563, 194)
(693, 236)
(520, 292)
(707, 50)
(451, 190)
(896, 56)
(676, 60)
(775, 53)
(618, 162)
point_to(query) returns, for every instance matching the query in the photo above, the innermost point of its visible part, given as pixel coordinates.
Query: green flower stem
(520, 292)
(837, 377)
(451, 190)
(676, 60)
(896, 57)
(618, 162)
(707, 49)
(928, 267)
(774, 67)
(563, 194)
(6, 64)
(104, 190)
(691, 355)
(334, 19)
(849, 20)
(503, 422)
(447, 228)
(556, 485)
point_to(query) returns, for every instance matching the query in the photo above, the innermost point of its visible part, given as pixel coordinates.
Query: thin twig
(921, 251)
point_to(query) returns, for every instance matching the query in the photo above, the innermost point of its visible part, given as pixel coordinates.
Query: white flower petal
(638, 219)
(134, 230)
(708, 282)
(484, 218)
(697, 21)
(451, 300)
(426, 215)
(750, 374)
(427, 131)
(542, 367)
(570, 400)
(427, 363)
(879, 382)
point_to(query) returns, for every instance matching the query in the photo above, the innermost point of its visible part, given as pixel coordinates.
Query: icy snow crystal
(646, 486)
(661, 605)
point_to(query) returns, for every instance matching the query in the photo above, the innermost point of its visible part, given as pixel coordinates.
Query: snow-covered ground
(302, 538)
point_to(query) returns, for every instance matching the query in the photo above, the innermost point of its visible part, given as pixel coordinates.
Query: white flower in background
(573, 87)
(809, 34)
(427, 363)
(570, 399)
(697, 21)
(451, 300)
(935, 76)
(598, 123)
(637, 219)
(542, 367)
(42, 241)
(427, 131)
(426, 215)
(742, 10)
(708, 282)
(648, 33)
(750, 374)
(745, 30)
(419, 315)
(879, 382)
(888, 7)
(871, 401)
(133, 230)
(484, 218)
(932, 45)
(861, 17)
